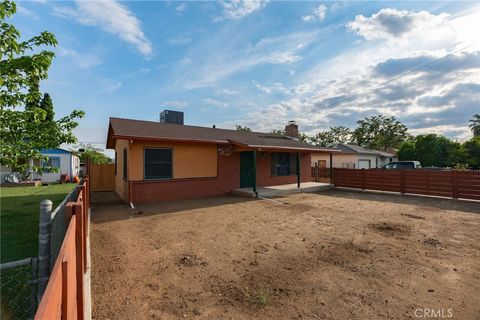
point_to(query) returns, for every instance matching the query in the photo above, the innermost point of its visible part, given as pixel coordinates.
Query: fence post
(455, 184)
(402, 181)
(64, 301)
(80, 257)
(363, 179)
(44, 246)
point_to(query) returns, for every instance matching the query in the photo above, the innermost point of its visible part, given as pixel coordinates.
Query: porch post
(298, 169)
(331, 168)
(254, 156)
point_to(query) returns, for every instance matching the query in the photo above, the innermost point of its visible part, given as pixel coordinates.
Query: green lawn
(19, 213)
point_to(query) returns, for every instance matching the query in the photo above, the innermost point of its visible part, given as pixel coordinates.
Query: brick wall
(228, 178)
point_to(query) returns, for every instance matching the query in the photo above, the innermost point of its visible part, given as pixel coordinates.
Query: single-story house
(165, 161)
(354, 157)
(66, 161)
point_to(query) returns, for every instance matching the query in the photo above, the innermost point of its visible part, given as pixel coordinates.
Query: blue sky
(260, 64)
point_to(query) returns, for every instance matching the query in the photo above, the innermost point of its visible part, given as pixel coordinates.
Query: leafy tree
(92, 153)
(407, 151)
(26, 120)
(279, 132)
(434, 150)
(475, 125)
(334, 135)
(47, 105)
(380, 132)
(472, 148)
(240, 128)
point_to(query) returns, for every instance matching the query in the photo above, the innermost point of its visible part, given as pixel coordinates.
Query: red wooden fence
(64, 295)
(451, 183)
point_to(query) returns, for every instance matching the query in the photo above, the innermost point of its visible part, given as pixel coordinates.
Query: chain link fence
(18, 289)
(19, 281)
(59, 225)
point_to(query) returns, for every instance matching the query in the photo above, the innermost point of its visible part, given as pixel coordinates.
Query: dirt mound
(191, 260)
(390, 228)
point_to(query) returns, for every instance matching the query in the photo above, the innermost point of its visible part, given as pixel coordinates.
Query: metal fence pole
(44, 246)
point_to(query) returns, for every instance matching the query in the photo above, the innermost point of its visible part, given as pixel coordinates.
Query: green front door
(247, 169)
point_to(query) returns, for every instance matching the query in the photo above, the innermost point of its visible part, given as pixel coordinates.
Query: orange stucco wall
(189, 160)
(121, 185)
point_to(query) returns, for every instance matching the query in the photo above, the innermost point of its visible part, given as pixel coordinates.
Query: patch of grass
(257, 297)
(19, 214)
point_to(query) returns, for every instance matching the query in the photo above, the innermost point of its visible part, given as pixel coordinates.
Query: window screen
(51, 163)
(283, 164)
(158, 163)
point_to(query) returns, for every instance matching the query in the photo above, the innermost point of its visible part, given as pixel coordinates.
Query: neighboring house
(354, 157)
(64, 160)
(4, 171)
(165, 161)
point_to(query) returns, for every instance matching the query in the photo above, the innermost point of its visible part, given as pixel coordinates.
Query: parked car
(403, 165)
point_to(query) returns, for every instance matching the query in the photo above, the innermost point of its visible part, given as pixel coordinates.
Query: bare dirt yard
(333, 255)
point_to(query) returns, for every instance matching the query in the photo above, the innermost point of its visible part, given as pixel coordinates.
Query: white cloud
(21, 10)
(226, 92)
(238, 9)
(181, 8)
(175, 103)
(276, 87)
(392, 23)
(318, 14)
(215, 103)
(113, 17)
(215, 64)
(81, 60)
(180, 40)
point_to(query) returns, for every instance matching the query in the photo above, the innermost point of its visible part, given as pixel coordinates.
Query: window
(125, 163)
(115, 162)
(51, 163)
(284, 164)
(158, 163)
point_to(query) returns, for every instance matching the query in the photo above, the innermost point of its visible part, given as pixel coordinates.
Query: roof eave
(146, 138)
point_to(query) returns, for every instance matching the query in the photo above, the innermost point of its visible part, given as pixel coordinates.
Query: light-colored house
(354, 157)
(64, 160)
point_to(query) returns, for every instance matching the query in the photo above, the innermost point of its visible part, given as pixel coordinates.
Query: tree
(475, 125)
(47, 105)
(334, 135)
(434, 150)
(472, 148)
(380, 133)
(240, 128)
(26, 120)
(93, 154)
(279, 132)
(407, 152)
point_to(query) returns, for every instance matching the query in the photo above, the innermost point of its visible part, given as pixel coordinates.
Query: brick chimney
(291, 129)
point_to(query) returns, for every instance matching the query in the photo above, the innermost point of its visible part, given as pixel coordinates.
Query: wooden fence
(102, 176)
(64, 295)
(451, 183)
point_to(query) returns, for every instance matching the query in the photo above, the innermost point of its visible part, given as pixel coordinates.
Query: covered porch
(281, 190)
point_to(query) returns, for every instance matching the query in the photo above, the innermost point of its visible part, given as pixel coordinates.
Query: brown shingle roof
(149, 130)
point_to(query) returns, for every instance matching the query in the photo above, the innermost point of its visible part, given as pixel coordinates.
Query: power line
(423, 66)
(409, 72)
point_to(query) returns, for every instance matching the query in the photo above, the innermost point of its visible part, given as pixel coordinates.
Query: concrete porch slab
(281, 190)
